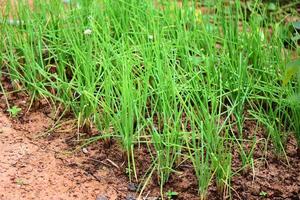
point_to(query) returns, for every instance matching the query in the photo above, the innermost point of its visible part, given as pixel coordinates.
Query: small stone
(130, 197)
(101, 197)
(85, 151)
(132, 187)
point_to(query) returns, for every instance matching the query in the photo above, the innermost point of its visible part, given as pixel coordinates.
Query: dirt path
(37, 169)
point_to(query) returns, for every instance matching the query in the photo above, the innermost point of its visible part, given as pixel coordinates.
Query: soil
(274, 176)
(56, 167)
(39, 169)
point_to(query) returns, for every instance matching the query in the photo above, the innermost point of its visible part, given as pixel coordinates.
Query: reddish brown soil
(48, 168)
(43, 168)
(39, 169)
(273, 177)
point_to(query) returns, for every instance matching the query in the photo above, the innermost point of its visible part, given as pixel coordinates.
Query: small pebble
(101, 197)
(132, 187)
(130, 197)
(85, 151)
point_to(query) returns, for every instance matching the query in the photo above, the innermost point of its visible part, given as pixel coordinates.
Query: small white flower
(67, 1)
(71, 1)
(150, 37)
(87, 32)
(262, 35)
(14, 22)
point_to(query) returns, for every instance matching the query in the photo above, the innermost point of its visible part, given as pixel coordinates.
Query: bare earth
(44, 169)
(37, 168)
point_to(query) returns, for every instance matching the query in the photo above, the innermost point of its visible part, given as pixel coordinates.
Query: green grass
(181, 81)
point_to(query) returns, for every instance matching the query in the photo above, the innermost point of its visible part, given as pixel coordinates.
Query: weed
(263, 194)
(14, 111)
(171, 194)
